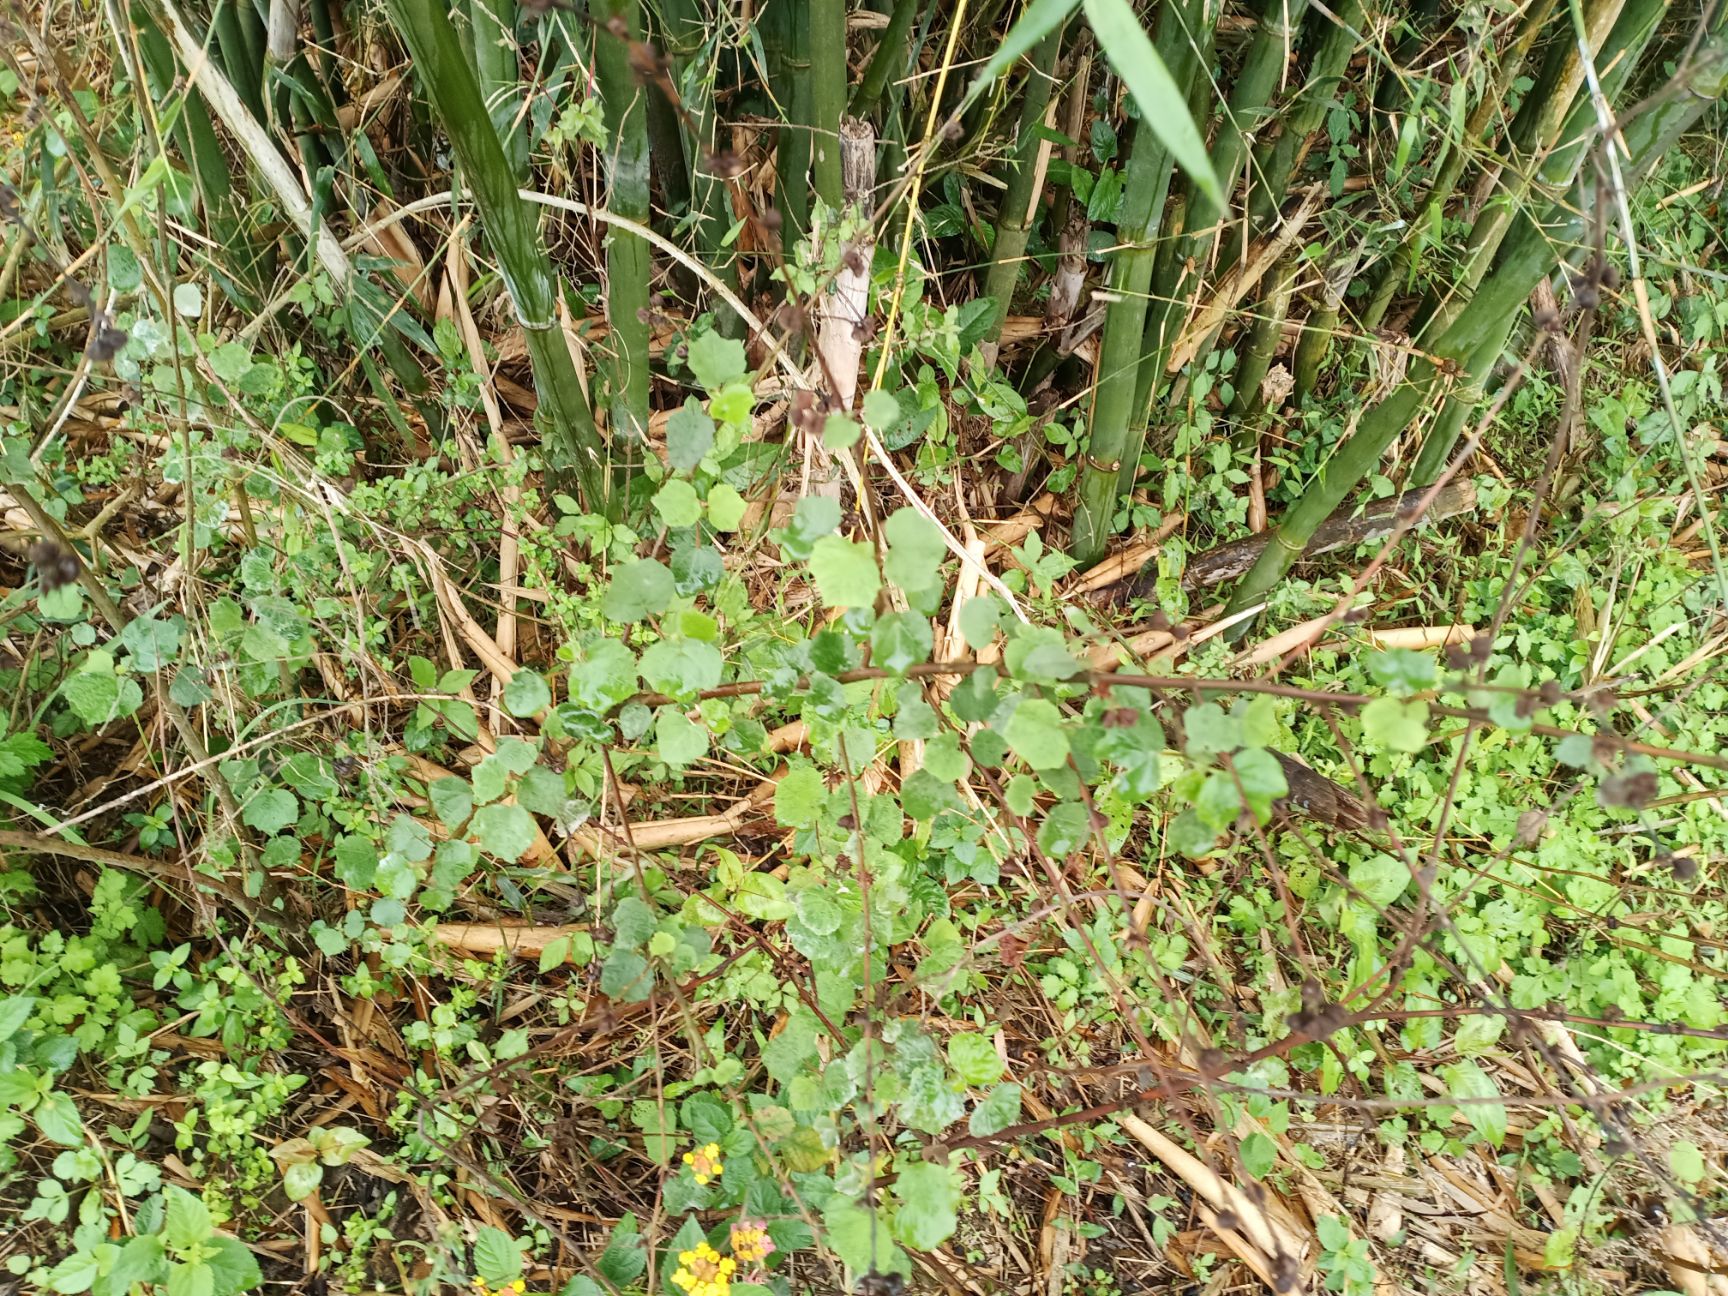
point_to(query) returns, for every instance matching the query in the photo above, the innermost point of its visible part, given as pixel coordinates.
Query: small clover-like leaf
(1210, 730)
(1064, 830)
(1259, 1154)
(679, 740)
(452, 800)
(1040, 654)
(681, 667)
(715, 359)
(726, 507)
(929, 1203)
(497, 1257)
(881, 409)
(975, 1059)
(798, 797)
(1466, 1079)
(979, 618)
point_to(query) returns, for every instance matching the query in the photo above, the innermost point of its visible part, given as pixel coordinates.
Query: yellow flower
(703, 1271)
(705, 1162)
(750, 1241)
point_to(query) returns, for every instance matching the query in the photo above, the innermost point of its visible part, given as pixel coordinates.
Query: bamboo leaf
(1037, 20)
(1163, 109)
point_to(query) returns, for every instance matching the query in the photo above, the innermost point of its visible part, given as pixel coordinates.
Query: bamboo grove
(1366, 194)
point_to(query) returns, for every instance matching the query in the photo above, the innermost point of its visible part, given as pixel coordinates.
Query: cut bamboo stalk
(483, 940)
(843, 310)
(845, 306)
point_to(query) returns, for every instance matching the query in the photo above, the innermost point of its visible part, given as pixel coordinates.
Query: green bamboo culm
(1620, 54)
(240, 44)
(665, 130)
(1250, 103)
(1549, 121)
(1256, 362)
(888, 61)
(1315, 341)
(573, 450)
(1275, 164)
(324, 30)
(1251, 94)
(628, 265)
(1110, 458)
(1019, 196)
(1443, 188)
(827, 20)
(895, 113)
(1418, 31)
(1527, 254)
(1269, 168)
(710, 197)
(787, 35)
(1460, 403)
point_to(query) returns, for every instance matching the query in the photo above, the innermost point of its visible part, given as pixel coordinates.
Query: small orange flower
(705, 1163)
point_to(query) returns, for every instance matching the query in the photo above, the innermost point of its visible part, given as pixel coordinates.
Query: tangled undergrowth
(795, 870)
